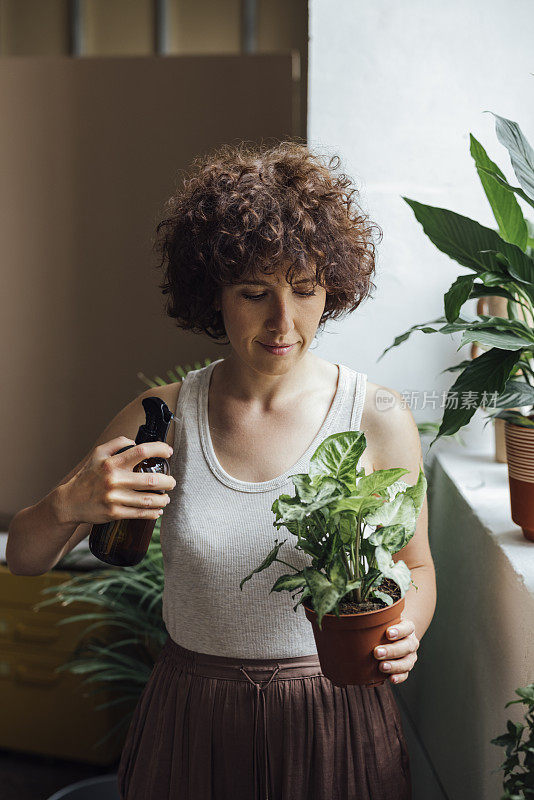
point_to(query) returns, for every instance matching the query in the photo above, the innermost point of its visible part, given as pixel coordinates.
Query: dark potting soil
(387, 586)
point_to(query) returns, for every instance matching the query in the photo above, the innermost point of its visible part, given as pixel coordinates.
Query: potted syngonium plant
(353, 588)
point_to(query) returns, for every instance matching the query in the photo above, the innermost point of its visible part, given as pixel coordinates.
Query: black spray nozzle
(158, 419)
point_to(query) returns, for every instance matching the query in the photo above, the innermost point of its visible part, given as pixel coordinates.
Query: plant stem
(281, 560)
(312, 534)
(346, 562)
(526, 372)
(528, 305)
(372, 565)
(358, 543)
(356, 593)
(369, 586)
(318, 519)
(353, 562)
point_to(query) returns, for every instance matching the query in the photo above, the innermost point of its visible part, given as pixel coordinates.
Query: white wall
(480, 646)
(395, 89)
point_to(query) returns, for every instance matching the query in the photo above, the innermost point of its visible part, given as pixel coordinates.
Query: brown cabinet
(45, 711)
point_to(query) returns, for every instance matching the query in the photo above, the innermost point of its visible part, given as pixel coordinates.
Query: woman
(260, 245)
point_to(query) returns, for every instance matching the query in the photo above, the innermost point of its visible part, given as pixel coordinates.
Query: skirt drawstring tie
(260, 700)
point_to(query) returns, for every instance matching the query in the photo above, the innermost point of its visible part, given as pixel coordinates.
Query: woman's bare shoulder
(127, 421)
(390, 429)
(169, 394)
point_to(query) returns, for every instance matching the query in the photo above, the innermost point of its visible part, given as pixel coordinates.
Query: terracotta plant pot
(500, 444)
(346, 644)
(520, 457)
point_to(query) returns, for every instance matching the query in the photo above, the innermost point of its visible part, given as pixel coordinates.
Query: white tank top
(217, 529)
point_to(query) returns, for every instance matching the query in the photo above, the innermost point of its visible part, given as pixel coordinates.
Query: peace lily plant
(329, 516)
(501, 264)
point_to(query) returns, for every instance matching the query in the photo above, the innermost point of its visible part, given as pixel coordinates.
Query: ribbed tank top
(217, 529)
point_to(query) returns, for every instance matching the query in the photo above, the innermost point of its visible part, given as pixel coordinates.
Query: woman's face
(272, 313)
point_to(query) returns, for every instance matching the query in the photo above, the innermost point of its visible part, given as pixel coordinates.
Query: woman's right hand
(106, 488)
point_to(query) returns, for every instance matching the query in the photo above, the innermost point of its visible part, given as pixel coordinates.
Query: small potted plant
(353, 587)
(501, 265)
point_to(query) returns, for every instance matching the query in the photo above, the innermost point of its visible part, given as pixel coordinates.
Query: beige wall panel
(118, 27)
(204, 26)
(33, 27)
(89, 151)
(283, 25)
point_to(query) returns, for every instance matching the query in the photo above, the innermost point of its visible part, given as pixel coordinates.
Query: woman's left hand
(401, 654)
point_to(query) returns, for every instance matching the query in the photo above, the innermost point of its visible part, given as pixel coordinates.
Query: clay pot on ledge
(346, 644)
(520, 457)
(500, 444)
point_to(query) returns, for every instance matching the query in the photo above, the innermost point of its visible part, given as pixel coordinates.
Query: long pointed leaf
(516, 189)
(506, 209)
(487, 373)
(268, 560)
(521, 153)
(425, 327)
(471, 244)
(516, 393)
(495, 338)
(457, 295)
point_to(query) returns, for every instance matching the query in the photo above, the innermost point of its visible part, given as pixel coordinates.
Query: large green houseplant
(351, 571)
(501, 264)
(128, 607)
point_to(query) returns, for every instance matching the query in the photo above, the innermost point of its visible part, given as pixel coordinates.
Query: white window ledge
(483, 484)
(480, 644)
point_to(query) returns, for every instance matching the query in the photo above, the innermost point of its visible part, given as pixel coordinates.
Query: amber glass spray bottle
(124, 542)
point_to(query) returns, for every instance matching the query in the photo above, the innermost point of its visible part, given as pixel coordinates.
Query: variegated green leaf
(305, 489)
(388, 600)
(304, 596)
(338, 575)
(338, 455)
(347, 528)
(418, 491)
(400, 511)
(398, 572)
(291, 581)
(324, 593)
(391, 537)
(379, 479)
(396, 488)
(357, 504)
(326, 490)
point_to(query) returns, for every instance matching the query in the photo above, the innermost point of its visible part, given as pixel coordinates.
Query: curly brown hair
(245, 209)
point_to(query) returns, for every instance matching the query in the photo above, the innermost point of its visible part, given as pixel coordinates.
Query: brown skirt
(216, 728)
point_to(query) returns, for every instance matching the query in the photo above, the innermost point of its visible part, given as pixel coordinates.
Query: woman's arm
(40, 535)
(393, 441)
